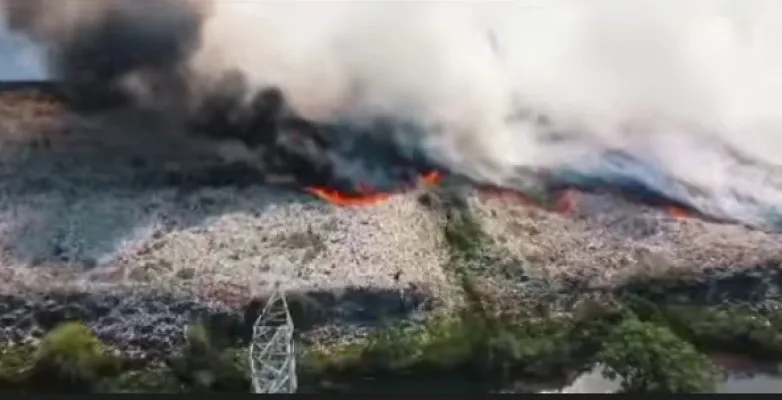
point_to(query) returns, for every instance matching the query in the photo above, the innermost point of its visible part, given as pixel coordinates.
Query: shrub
(15, 364)
(651, 358)
(71, 359)
(203, 366)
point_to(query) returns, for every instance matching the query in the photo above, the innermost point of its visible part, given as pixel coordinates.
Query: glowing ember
(566, 201)
(677, 213)
(339, 199)
(365, 196)
(432, 178)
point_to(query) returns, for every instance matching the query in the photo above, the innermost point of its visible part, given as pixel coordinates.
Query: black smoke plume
(116, 52)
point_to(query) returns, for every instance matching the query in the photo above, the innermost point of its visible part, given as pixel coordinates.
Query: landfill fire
(357, 166)
(334, 162)
(670, 105)
(365, 195)
(310, 154)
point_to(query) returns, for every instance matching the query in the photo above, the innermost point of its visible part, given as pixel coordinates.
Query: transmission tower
(272, 353)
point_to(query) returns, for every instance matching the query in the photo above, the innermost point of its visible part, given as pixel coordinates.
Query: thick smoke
(685, 92)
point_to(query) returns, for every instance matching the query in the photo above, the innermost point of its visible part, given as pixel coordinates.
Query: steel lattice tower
(272, 352)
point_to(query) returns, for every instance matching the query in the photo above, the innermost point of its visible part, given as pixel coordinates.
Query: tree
(651, 358)
(70, 358)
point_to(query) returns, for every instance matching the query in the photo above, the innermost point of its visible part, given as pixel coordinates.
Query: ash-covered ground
(115, 220)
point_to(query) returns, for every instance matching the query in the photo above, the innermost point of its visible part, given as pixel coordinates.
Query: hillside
(111, 220)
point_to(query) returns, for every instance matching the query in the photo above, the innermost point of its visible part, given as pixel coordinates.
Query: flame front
(366, 196)
(678, 213)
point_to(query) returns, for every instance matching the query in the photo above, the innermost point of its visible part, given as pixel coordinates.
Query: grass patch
(465, 236)
(469, 250)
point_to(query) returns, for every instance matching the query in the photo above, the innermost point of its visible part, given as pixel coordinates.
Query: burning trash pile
(353, 111)
(340, 163)
(247, 74)
(407, 132)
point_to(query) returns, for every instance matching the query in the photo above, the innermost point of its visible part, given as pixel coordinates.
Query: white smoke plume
(687, 90)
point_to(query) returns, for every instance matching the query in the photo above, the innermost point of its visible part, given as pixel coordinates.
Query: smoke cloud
(686, 93)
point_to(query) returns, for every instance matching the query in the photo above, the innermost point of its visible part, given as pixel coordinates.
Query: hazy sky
(19, 58)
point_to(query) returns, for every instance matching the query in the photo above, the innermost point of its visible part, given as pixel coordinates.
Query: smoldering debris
(424, 100)
(110, 53)
(342, 156)
(148, 233)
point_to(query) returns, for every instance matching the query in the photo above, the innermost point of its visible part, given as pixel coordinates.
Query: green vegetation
(449, 344)
(68, 359)
(652, 347)
(203, 366)
(638, 341)
(650, 358)
(460, 345)
(71, 359)
(650, 354)
(739, 329)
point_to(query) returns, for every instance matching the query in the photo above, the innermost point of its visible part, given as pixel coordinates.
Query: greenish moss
(468, 244)
(464, 235)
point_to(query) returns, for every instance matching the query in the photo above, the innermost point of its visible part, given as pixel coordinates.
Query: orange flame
(677, 213)
(366, 195)
(566, 202)
(432, 178)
